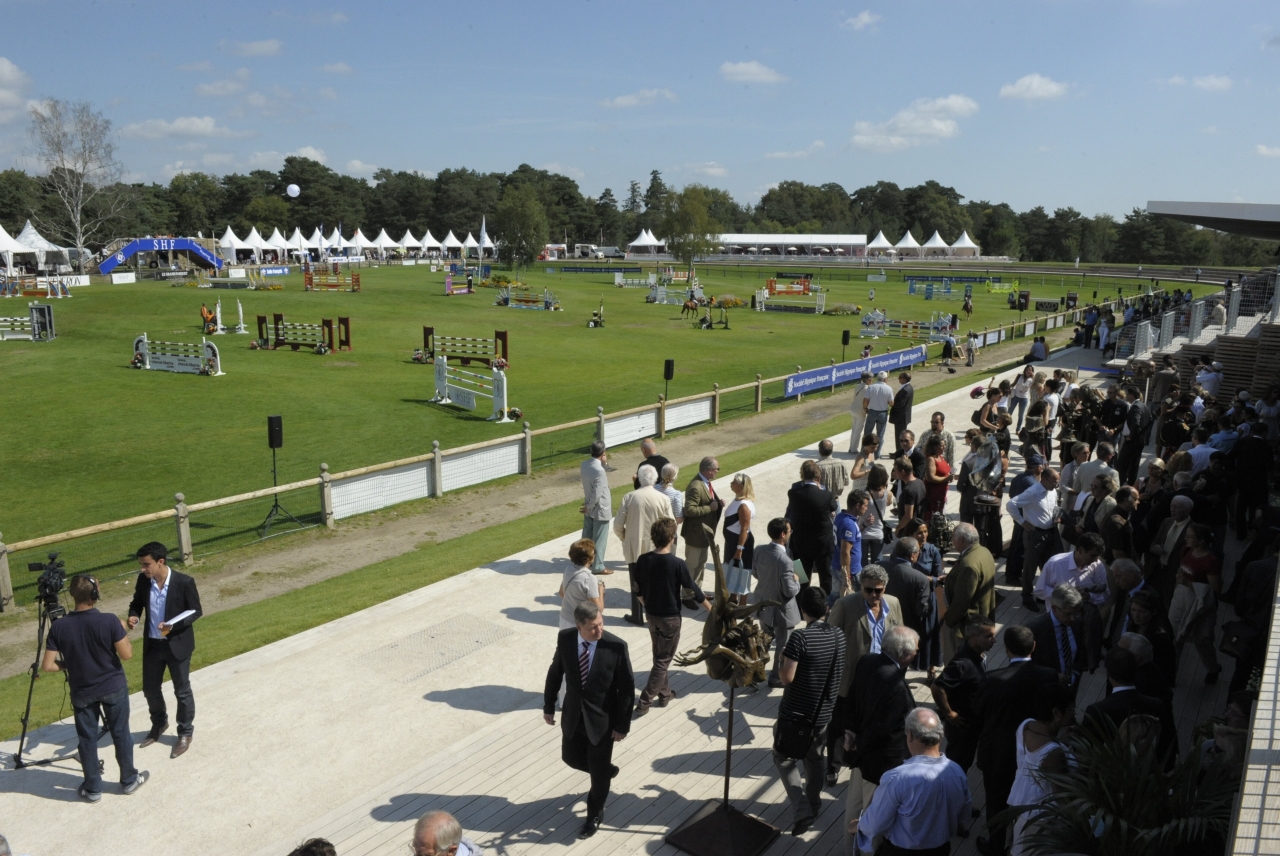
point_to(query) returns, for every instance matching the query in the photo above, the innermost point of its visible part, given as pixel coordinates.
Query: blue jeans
(1019, 405)
(876, 421)
(113, 709)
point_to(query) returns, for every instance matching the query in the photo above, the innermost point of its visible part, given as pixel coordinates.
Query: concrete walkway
(353, 729)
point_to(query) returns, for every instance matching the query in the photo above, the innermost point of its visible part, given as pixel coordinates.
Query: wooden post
(437, 470)
(182, 518)
(326, 497)
(662, 416)
(715, 404)
(600, 424)
(799, 395)
(526, 459)
(833, 376)
(6, 584)
(759, 394)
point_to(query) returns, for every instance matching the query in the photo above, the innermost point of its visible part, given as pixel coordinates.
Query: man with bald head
(438, 833)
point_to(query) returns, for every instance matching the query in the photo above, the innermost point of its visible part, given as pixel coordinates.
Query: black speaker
(669, 370)
(275, 432)
(844, 339)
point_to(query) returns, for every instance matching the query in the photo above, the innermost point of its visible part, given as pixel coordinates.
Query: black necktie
(1068, 662)
(584, 662)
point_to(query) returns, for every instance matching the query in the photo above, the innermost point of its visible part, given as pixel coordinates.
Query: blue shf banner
(815, 379)
(600, 270)
(281, 270)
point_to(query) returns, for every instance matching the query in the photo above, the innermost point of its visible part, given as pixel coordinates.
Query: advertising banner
(821, 378)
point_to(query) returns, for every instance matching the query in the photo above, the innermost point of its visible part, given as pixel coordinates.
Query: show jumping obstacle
(318, 337)
(465, 349)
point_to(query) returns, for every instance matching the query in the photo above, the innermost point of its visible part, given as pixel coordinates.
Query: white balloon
(293, 190)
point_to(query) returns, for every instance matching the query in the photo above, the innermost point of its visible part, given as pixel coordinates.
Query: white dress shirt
(1035, 505)
(155, 607)
(1062, 568)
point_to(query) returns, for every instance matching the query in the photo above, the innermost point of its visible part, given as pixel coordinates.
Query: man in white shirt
(1210, 378)
(1053, 401)
(440, 833)
(858, 411)
(1082, 568)
(876, 407)
(1200, 450)
(1035, 511)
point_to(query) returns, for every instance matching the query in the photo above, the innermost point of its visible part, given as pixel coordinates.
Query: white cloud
(360, 168)
(328, 18)
(329, 92)
(1033, 87)
(751, 71)
(637, 99)
(203, 65)
(925, 120)
(802, 153)
(571, 171)
(14, 84)
(336, 68)
(710, 168)
(862, 20)
(266, 47)
(310, 152)
(1269, 151)
(1213, 83)
(237, 82)
(1176, 80)
(185, 126)
(264, 160)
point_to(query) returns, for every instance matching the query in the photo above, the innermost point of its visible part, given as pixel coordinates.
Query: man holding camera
(91, 645)
(172, 605)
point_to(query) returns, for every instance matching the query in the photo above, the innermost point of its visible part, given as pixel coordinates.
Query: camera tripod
(43, 624)
(277, 510)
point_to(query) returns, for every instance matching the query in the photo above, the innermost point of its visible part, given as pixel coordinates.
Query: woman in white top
(578, 583)
(1104, 331)
(864, 462)
(1039, 752)
(872, 523)
(737, 531)
(1021, 399)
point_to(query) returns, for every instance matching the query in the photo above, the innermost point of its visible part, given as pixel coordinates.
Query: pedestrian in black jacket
(809, 508)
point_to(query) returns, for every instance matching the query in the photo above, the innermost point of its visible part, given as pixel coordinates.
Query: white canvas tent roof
(385, 242)
(316, 241)
(936, 241)
(908, 242)
(470, 241)
(965, 243)
(488, 242)
(409, 240)
(277, 241)
(337, 242)
(640, 240)
(450, 241)
(430, 243)
(880, 242)
(360, 242)
(29, 237)
(254, 240)
(229, 241)
(9, 247)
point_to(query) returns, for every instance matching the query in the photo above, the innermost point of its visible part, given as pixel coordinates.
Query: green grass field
(92, 440)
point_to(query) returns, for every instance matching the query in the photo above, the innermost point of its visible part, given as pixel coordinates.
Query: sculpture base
(719, 830)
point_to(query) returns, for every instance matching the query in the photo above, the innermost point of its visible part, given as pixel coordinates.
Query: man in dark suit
(600, 694)
(1136, 423)
(809, 508)
(1006, 698)
(1059, 635)
(908, 585)
(171, 604)
(702, 508)
(875, 737)
(1165, 551)
(1125, 701)
(900, 411)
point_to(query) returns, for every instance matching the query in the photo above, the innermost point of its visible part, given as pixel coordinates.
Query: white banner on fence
(236, 273)
(628, 429)
(494, 462)
(123, 278)
(370, 492)
(1029, 329)
(688, 413)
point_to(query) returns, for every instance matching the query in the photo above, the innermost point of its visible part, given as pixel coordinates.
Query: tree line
(457, 199)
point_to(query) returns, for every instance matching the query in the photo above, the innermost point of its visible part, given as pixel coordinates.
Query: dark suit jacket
(605, 703)
(182, 596)
(881, 701)
(912, 589)
(1118, 707)
(697, 511)
(1005, 699)
(809, 508)
(900, 410)
(1046, 652)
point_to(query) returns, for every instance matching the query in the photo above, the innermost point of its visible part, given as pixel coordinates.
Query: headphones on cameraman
(97, 593)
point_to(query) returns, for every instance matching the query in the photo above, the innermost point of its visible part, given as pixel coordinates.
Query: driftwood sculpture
(734, 647)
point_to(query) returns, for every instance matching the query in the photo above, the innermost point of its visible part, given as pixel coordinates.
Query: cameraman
(92, 644)
(164, 595)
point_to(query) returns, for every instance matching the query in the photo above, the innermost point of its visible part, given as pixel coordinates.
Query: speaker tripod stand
(277, 510)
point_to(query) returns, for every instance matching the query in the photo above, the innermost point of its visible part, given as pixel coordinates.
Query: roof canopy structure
(879, 243)
(29, 237)
(360, 242)
(1237, 218)
(277, 241)
(385, 242)
(470, 242)
(430, 243)
(409, 241)
(451, 242)
(229, 241)
(964, 246)
(935, 246)
(908, 244)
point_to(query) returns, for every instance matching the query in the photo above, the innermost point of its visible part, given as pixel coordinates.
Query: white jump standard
(36, 327)
(220, 328)
(459, 388)
(184, 357)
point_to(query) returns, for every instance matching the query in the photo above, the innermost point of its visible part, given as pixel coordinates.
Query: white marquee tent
(29, 237)
(908, 244)
(409, 242)
(880, 244)
(360, 242)
(451, 243)
(935, 246)
(964, 246)
(9, 248)
(385, 242)
(277, 242)
(430, 244)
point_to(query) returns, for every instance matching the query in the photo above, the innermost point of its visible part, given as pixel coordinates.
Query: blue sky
(1096, 105)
